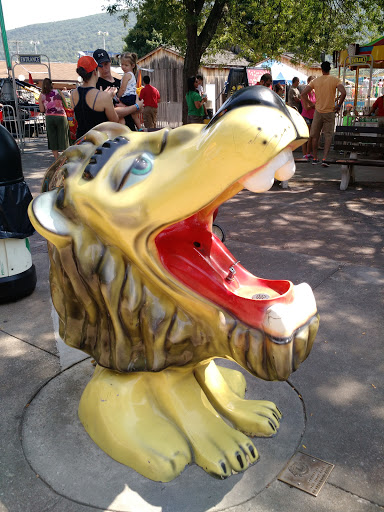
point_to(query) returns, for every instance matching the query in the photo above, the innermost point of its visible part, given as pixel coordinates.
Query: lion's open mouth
(196, 257)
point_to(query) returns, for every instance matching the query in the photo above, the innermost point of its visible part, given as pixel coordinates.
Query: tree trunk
(191, 66)
(197, 44)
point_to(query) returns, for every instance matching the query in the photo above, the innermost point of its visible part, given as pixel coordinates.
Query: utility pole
(35, 43)
(18, 45)
(104, 34)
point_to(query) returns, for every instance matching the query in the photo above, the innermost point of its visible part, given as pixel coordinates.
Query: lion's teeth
(286, 171)
(282, 166)
(46, 214)
(281, 320)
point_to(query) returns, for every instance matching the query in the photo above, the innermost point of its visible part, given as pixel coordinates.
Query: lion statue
(142, 285)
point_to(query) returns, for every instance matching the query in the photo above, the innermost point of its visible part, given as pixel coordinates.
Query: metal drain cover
(260, 296)
(306, 473)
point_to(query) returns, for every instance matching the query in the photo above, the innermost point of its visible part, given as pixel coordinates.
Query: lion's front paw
(218, 448)
(157, 423)
(253, 417)
(232, 452)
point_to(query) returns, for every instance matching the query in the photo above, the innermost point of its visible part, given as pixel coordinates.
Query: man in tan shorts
(151, 97)
(325, 88)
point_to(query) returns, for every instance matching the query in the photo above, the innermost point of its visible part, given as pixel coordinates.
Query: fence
(29, 125)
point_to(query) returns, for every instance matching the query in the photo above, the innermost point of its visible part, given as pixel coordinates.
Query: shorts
(57, 132)
(308, 120)
(150, 117)
(325, 122)
(128, 100)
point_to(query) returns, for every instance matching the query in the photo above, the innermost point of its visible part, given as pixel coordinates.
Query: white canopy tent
(282, 72)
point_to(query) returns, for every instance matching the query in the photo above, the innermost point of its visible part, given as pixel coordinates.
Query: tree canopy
(257, 28)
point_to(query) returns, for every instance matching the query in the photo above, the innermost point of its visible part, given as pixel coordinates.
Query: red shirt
(150, 95)
(379, 104)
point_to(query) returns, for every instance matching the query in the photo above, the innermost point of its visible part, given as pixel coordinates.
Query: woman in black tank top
(86, 116)
(99, 107)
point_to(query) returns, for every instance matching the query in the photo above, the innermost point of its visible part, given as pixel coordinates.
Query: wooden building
(167, 76)
(165, 67)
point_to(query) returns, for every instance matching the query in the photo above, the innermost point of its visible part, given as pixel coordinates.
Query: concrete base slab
(344, 401)
(280, 497)
(63, 455)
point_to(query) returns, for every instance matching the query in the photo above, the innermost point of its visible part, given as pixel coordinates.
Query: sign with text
(359, 59)
(30, 59)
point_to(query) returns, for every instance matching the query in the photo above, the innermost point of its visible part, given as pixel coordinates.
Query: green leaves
(258, 27)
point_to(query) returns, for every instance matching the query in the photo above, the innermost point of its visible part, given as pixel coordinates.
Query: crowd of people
(317, 104)
(100, 97)
(323, 90)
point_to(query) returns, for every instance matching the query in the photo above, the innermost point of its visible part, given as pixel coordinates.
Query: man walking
(151, 97)
(325, 88)
(294, 94)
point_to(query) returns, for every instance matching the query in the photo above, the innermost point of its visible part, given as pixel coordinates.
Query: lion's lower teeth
(260, 296)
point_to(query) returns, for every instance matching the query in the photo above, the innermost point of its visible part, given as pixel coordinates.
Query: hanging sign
(30, 59)
(254, 75)
(359, 59)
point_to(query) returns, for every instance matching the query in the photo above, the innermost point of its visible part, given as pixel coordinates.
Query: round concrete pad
(64, 456)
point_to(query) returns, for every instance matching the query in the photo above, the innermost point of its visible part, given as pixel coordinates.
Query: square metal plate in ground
(306, 473)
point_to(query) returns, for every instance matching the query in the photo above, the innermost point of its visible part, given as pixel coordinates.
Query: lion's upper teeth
(282, 167)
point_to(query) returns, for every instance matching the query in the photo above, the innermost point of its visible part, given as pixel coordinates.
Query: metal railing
(25, 127)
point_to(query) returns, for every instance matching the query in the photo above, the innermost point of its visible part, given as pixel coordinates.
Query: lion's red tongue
(196, 258)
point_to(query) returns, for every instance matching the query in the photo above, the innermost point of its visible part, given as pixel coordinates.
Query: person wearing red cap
(91, 106)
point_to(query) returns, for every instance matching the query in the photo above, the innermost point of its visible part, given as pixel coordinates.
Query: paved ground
(333, 405)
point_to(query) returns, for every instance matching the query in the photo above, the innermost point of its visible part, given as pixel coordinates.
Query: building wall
(218, 77)
(167, 77)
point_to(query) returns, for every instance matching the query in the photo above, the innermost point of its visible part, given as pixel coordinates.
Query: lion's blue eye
(134, 170)
(142, 165)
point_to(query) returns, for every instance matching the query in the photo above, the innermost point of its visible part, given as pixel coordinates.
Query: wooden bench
(359, 142)
(365, 145)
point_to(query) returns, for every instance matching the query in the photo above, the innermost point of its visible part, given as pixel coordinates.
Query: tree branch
(210, 26)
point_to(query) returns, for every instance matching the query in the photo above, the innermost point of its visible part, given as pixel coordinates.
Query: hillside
(62, 40)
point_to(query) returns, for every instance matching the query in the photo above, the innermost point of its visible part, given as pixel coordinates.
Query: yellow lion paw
(159, 422)
(253, 417)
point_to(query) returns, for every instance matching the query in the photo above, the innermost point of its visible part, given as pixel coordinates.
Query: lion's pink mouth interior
(197, 258)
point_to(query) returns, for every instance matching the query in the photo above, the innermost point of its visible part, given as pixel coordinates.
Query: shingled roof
(63, 72)
(212, 60)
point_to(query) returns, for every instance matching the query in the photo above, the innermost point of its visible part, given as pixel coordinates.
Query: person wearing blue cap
(107, 82)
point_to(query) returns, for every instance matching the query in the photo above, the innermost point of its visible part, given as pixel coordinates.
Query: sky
(44, 11)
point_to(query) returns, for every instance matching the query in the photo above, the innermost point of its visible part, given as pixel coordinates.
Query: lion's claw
(176, 407)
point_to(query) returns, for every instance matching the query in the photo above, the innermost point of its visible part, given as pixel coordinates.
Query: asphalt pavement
(333, 405)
